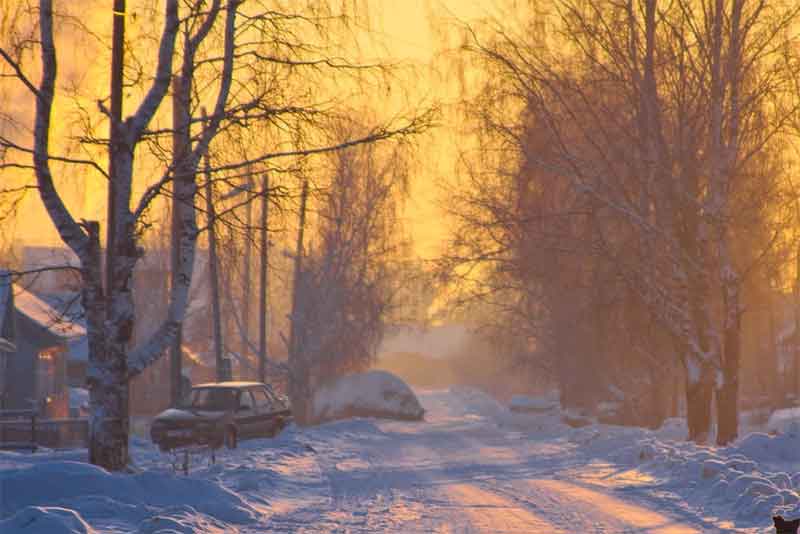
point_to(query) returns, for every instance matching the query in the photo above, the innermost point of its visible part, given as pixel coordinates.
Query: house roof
(46, 316)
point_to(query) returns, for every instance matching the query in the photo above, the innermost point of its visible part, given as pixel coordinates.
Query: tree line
(629, 198)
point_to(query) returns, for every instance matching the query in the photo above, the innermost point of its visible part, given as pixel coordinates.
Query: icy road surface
(465, 470)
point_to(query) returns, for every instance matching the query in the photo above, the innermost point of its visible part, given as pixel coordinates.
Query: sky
(409, 29)
(406, 35)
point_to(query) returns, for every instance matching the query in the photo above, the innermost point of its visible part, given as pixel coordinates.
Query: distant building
(35, 373)
(58, 288)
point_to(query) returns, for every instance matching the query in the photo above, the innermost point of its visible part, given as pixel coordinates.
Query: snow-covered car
(221, 413)
(371, 394)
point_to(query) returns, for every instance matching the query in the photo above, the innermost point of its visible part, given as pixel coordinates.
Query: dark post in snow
(212, 270)
(263, 294)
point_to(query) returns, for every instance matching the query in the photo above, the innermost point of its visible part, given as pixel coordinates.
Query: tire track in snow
(474, 509)
(575, 506)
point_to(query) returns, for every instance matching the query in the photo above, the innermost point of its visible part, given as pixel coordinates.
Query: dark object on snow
(785, 527)
(220, 414)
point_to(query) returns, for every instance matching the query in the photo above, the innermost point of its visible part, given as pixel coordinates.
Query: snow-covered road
(461, 471)
(471, 466)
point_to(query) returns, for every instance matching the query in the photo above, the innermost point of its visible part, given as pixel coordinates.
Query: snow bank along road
(472, 466)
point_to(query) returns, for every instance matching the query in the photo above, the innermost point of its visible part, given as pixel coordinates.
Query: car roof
(231, 384)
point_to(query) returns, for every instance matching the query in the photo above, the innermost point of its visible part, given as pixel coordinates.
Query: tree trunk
(728, 393)
(699, 393)
(107, 438)
(108, 434)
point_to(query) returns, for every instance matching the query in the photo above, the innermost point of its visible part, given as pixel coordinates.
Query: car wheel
(230, 438)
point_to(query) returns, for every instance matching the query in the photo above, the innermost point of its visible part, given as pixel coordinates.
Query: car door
(247, 416)
(266, 409)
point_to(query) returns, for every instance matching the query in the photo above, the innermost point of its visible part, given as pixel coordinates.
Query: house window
(50, 373)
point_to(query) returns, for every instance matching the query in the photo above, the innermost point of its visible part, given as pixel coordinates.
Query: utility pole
(298, 371)
(117, 65)
(246, 284)
(263, 294)
(216, 316)
(181, 148)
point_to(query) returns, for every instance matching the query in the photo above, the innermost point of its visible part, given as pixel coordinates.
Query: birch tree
(109, 306)
(346, 285)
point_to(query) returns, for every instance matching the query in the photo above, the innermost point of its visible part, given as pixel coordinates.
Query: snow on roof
(46, 316)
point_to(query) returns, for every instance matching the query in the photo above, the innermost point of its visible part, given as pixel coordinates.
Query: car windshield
(212, 399)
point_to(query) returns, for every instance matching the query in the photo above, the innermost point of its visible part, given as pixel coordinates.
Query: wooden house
(34, 375)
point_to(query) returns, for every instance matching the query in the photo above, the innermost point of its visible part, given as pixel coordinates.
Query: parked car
(222, 413)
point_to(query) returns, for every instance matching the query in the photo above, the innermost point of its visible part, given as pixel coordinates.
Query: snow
(45, 315)
(749, 480)
(50, 519)
(106, 498)
(373, 393)
(521, 403)
(785, 421)
(472, 466)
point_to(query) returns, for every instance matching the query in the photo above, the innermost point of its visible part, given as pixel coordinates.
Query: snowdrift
(65, 497)
(754, 478)
(371, 394)
(750, 480)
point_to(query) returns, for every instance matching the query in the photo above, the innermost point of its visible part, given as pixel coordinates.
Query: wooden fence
(24, 429)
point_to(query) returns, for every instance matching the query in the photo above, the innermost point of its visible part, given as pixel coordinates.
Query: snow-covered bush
(370, 394)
